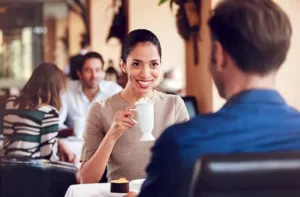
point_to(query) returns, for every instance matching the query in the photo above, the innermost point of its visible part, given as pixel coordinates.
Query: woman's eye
(136, 64)
(154, 64)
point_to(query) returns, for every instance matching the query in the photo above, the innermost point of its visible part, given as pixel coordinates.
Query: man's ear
(220, 56)
(123, 66)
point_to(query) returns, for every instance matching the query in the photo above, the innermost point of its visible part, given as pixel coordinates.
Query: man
(250, 40)
(80, 94)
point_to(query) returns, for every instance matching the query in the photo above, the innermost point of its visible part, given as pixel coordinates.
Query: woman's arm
(93, 169)
(95, 162)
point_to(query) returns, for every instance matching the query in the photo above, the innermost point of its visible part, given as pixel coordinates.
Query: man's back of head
(254, 35)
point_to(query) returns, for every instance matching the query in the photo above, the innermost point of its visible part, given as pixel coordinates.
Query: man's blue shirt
(252, 121)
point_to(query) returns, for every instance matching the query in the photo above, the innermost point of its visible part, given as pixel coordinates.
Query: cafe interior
(36, 31)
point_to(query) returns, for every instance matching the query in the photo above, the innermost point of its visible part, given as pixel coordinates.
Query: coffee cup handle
(133, 118)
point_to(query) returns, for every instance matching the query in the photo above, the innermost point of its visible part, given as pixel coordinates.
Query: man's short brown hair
(255, 33)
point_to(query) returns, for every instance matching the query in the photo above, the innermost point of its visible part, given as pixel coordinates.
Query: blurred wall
(288, 79)
(101, 16)
(56, 22)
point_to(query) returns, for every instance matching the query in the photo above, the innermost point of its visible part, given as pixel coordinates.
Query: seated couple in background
(31, 119)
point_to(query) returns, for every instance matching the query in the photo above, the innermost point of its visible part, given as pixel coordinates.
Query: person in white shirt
(80, 94)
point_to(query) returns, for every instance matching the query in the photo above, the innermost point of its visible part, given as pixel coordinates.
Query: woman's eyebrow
(137, 60)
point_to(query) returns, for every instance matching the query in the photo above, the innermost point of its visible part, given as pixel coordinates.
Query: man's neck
(90, 92)
(250, 82)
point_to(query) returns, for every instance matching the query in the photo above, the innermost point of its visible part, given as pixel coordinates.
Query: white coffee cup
(145, 119)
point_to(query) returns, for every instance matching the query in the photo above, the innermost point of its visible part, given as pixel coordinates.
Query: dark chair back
(35, 178)
(191, 105)
(245, 175)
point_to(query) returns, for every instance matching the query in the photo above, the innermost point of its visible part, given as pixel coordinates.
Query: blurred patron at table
(80, 94)
(30, 120)
(171, 83)
(111, 74)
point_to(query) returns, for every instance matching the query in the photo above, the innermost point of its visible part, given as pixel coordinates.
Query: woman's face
(142, 67)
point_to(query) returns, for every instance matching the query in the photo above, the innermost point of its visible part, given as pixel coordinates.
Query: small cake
(119, 186)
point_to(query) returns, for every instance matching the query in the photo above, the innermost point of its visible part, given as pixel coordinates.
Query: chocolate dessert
(119, 186)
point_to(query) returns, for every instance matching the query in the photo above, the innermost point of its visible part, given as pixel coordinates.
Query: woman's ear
(123, 66)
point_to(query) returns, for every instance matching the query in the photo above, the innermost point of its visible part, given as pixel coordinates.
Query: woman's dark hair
(138, 36)
(256, 33)
(43, 87)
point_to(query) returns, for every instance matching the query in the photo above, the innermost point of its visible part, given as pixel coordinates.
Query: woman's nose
(145, 71)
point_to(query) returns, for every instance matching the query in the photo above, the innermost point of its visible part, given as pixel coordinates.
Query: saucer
(135, 185)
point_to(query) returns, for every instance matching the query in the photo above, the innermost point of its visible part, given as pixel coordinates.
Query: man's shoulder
(194, 126)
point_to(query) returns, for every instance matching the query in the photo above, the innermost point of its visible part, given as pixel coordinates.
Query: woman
(31, 120)
(111, 137)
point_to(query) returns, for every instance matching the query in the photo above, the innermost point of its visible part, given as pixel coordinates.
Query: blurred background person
(31, 119)
(171, 82)
(89, 88)
(111, 74)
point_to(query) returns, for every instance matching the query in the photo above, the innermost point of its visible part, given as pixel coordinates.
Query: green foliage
(162, 1)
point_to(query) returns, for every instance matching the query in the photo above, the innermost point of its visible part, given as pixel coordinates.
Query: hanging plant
(187, 21)
(187, 16)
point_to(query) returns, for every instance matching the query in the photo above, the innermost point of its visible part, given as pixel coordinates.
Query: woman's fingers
(128, 125)
(126, 116)
(129, 112)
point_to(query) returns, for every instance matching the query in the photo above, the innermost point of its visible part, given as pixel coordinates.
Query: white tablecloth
(91, 190)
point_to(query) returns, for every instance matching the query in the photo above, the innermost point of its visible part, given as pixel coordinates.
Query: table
(91, 190)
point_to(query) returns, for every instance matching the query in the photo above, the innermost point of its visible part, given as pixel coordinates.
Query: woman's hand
(66, 154)
(122, 122)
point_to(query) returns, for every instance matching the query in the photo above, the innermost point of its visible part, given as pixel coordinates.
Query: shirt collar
(256, 96)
